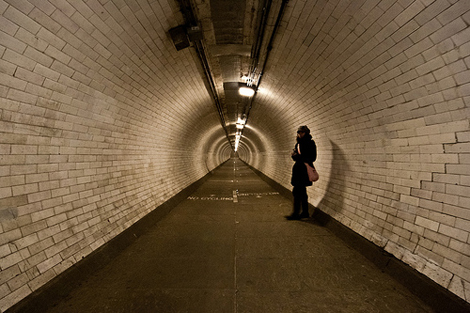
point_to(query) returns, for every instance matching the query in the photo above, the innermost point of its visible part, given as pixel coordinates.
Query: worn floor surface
(218, 253)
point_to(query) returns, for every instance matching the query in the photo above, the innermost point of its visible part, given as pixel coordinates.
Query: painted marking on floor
(235, 196)
(247, 194)
(210, 198)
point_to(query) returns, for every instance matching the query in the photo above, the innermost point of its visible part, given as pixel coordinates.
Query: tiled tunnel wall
(102, 120)
(384, 86)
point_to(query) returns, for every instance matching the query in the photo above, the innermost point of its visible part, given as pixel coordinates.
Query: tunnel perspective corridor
(224, 251)
(103, 119)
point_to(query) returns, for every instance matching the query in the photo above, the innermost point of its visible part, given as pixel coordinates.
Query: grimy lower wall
(385, 88)
(96, 129)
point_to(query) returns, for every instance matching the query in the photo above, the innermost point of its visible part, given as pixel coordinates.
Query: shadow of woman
(332, 204)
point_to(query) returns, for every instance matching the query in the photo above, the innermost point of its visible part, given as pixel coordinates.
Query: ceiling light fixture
(238, 136)
(246, 91)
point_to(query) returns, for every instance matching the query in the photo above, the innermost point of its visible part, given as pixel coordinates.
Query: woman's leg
(304, 201)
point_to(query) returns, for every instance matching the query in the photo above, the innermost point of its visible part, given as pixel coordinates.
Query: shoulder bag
(313, 175)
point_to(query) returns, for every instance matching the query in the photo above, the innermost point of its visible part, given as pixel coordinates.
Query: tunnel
(109, 109)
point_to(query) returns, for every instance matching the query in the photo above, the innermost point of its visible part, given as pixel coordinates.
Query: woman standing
(305, 151)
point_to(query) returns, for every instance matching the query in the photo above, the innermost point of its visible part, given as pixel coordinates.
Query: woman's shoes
(294, 217)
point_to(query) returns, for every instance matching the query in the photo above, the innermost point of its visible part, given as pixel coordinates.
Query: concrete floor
(214, 254)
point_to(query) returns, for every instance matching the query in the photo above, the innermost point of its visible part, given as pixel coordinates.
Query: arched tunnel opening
(109, 109)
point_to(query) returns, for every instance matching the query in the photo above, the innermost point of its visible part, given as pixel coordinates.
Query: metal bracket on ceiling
(182, 36)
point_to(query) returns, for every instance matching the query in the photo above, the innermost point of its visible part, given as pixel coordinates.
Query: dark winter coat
(308, 154)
